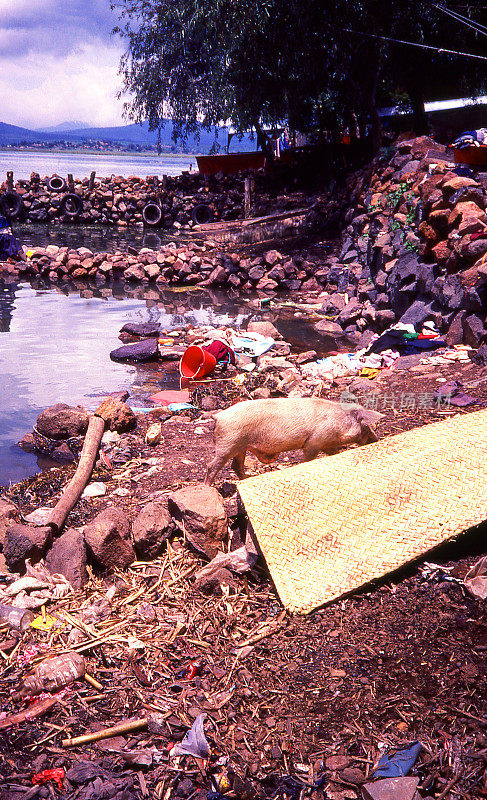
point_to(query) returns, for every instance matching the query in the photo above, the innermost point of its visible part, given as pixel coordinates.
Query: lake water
(55, 347)
(80, 165)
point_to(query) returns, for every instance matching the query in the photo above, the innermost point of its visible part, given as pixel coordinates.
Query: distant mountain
(139, 134)
(135, 135)
(12, 134)
(65, 126)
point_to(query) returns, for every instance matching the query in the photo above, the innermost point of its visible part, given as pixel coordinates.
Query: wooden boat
(473, 156)
(229, 163)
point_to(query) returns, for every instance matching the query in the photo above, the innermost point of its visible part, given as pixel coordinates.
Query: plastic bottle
(54, 673)
(18, 618)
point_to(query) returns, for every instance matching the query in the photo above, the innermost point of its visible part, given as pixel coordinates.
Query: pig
(269, 427)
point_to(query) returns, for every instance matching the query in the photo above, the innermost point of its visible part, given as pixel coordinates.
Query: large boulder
(24, 541)
(151, 528)
(67, 557)
(62, 422)
(145, 350)
(326, 327)
(146, 329)
(200, 513)
(263, 327)
(108, 538)
(117, 415)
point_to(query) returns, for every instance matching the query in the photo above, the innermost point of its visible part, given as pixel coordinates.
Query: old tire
(152, 214)
(56, 184)
(202, 214)
(71, 205)
(13, 205)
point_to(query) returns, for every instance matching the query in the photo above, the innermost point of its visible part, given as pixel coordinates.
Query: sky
(58, 63)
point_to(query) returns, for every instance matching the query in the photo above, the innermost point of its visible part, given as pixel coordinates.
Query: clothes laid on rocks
(10, 246)
(471, 139)
(220, 351)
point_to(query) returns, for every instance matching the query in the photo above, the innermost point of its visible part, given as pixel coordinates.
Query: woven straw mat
(331, 525)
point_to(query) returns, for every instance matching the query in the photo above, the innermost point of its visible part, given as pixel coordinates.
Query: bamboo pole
(107, 733)
(73, 490)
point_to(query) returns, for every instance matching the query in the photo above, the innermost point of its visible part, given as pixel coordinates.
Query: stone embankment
(414, 242)
(170, 201)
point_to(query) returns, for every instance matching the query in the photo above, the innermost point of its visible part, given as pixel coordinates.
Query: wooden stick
(116, 730)
(92, 682)
(73, 490)
(450, 785)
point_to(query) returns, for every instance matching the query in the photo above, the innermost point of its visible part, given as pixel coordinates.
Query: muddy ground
(289, 699)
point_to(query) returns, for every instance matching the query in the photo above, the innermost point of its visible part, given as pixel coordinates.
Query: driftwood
(75, 487)
(35, 710)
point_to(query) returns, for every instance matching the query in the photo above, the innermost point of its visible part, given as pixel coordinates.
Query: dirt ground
(289, 699)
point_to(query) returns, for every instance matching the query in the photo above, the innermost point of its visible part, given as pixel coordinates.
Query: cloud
(41, 90)
(58, 62)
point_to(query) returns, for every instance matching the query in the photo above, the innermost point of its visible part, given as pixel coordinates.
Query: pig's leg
(214, 467)
(310, 450)
(238, 465)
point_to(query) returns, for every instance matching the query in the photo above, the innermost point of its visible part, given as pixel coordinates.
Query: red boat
(473, 156)
(230, 163)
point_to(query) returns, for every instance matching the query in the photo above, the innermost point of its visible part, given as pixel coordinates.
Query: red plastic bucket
(196, 362)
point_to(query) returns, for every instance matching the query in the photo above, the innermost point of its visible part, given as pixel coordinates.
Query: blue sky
(58, 62)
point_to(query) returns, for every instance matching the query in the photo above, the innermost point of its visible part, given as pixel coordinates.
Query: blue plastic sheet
(398, 764)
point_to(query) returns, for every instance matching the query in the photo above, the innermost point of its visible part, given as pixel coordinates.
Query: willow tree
(257, 62)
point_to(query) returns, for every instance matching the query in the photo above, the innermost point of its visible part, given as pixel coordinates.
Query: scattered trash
(399, 763)
(194, 743)
(96, 489)
(476, 579)
(53, 674)
(17, 618)
(55, 775)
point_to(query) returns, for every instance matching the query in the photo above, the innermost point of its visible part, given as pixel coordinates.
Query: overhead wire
(476, 26)
(415, 44)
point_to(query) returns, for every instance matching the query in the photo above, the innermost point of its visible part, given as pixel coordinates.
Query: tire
(12, 202)
(71, 205)
(56, 184)
(202, 214)
(152, 214)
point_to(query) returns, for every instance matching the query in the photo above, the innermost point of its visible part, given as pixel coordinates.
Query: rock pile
(124, 201)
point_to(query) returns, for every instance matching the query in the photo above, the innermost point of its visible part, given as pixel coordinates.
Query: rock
(62, 422)
(264, 328)
(390, 789)
(353, 775)
(384, 318)
(474, 331)
(67, 556)
(200, 512)
(306, 357)
(146, 350)
(337, 762)
(215, 581)
(261, 393)
(140, 329)
(350, 313)
(108, 537)
(24, 541)
(455, 331)
(7, 513)
(27, 443)
(406, 362)
(95, 489)
(118, 416)
(272, 257)
(154, 434)
(327, 328)
(151, 528)
(480, 357)
(209, 403)
(419, 312)
(63, 453)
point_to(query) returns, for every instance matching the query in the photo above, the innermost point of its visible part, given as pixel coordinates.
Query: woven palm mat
(333, 524)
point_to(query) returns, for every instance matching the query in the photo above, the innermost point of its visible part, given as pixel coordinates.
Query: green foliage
(255, 62)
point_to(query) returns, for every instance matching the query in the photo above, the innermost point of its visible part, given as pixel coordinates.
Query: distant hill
(65, 126)
(139, 134)
(12, 134)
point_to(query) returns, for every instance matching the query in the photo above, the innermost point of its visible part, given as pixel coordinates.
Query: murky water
(55, 347)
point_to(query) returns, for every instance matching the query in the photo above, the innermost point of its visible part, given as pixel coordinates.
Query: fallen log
(74, 489)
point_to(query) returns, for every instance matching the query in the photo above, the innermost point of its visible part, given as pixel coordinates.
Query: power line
(415, 44)
(475, 26)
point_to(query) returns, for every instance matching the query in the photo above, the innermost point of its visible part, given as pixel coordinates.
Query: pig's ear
(366, 415)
